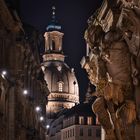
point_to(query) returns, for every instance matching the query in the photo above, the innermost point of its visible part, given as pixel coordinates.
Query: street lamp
(41, 118)
(3, 73)
(47, 126)
(37, 109)
(25, 92)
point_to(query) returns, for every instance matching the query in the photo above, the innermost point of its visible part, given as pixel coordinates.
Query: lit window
(60, 86)
(89, 120)
(81, 120)
(97, 120)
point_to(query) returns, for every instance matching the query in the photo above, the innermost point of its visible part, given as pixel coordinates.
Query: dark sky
(72, 15)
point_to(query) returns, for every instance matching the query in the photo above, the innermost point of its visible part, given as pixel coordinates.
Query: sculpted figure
(131, 32)
(115, 78)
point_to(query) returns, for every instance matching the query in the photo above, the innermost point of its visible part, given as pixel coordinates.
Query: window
(53, 46)
(63, 135)
(89, 120)
(89, 132)
(66, 134)
(98, 133)
(60, 86)
(73, 131)
(97, 120)
(81, 120)
(81, 131)
(73, 120)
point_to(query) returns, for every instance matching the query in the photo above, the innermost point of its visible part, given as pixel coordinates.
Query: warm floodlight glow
(41, 118)
(25, 92)
(47, 126)
(4, 72)
(37, 109)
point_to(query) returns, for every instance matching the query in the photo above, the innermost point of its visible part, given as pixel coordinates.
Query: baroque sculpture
(115, 69)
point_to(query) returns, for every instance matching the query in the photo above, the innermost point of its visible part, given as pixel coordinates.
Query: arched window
(53, 46)
(89, 120)
(60, 86)
(81, 120)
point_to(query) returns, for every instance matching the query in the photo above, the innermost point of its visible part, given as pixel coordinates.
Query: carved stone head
(125, 22)
(93, 35)
(129, 3)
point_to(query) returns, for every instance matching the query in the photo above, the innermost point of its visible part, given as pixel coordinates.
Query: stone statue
(116, 72)
(131, 32)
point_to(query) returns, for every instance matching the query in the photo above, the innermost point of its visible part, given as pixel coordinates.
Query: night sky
(72, 16)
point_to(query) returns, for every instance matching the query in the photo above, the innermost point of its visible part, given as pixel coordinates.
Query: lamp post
(38, 109)
(41, 118)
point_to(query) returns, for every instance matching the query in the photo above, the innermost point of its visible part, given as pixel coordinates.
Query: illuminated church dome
(61, 80)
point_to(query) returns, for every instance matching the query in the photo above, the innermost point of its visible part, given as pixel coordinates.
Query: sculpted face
(90, 35)
(93, 36)
(126, 22)
(129, 3)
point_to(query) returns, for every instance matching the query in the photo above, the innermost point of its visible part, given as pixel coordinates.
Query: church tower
(61, 80)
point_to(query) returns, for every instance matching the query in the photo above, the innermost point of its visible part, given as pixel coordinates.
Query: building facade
(112, 56)
(66, 118)
(77, 123)
(22, 87)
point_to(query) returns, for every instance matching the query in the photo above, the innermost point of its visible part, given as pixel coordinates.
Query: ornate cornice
(64, 97)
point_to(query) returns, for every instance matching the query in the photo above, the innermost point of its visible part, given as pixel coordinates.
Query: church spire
(53, 40)
(53, 13)
(53, 26)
